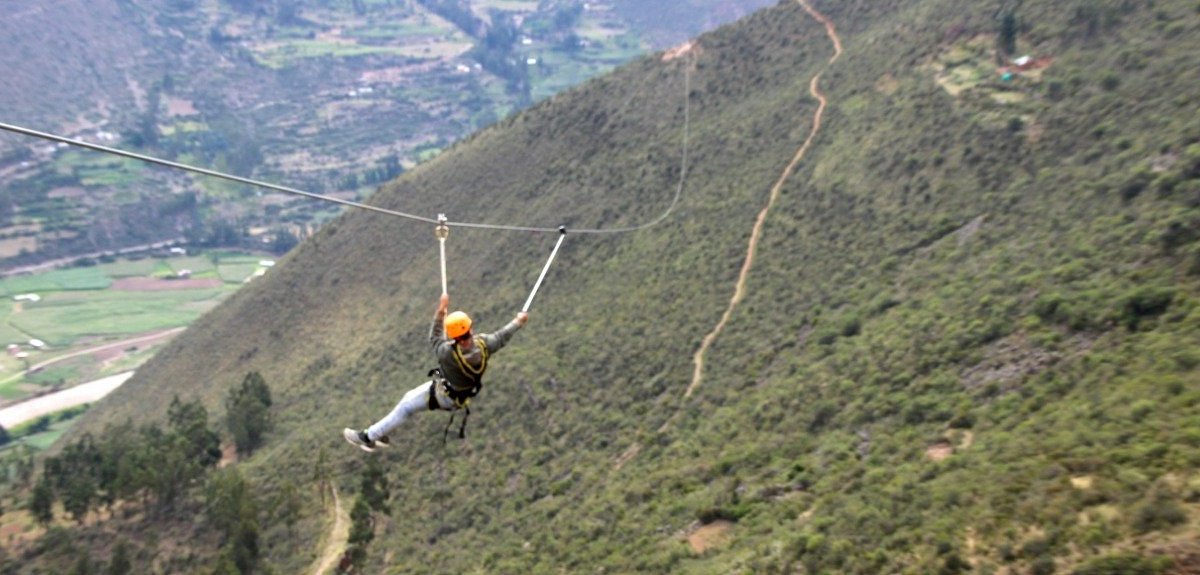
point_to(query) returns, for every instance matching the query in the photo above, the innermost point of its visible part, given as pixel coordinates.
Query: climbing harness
(472, 372)
(461, 399)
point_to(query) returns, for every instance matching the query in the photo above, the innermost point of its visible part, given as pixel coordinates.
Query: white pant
(416, 400)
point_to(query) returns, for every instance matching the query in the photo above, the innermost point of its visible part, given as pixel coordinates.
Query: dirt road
(80, 394)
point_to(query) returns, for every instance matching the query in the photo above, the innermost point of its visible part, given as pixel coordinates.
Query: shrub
(1145, 302)
(1042, 566)
(1123, 564)
(1160, 512)
(1110, 81)
(1049, 307)
(1141, 409)
(1136, 184)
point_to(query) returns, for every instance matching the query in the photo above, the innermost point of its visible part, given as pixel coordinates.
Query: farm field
(70, 311)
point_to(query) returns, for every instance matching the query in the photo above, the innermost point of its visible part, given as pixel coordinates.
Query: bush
(1145, 302)
(711, 514)
(1141, 409)
(1159, 513)
(1123, 564)
(1042, 566)
(1110, 81)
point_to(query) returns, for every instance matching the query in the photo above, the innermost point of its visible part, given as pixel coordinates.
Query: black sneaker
(358, 438)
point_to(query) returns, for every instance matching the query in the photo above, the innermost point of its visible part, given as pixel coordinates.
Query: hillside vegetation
(968, 340)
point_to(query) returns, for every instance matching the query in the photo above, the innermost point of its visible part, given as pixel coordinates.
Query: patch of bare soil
(677, 51)
(887, 84)
(67, 192)
(228, 455)
(939, 450)
(706, 537)
(180, 107)
(1009, 361)
(155, 284)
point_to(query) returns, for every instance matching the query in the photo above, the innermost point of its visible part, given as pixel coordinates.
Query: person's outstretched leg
(417, 399)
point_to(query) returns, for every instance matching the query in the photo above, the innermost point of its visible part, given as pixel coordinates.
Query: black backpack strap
(462, 428)
(436, 374)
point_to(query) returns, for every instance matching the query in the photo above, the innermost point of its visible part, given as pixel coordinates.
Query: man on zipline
(462, 358)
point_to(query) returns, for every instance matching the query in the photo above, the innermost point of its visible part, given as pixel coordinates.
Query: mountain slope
(967, 339)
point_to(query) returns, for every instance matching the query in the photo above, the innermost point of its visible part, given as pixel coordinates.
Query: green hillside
(967, 342)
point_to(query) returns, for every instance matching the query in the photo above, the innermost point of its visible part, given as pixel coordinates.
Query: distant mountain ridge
(333, 97)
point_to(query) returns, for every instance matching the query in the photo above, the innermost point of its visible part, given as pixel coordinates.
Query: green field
(197, 264)
(77, 309)
(99, 170)
(41, 441)
(131, 268)
(61, 318)
(77, 303)
(89, 278)
(8, 334)
(55, 375)
(393, 30)
(237, 269)
(281, 56)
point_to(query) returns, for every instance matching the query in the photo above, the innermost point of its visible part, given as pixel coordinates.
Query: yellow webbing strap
(466, 367)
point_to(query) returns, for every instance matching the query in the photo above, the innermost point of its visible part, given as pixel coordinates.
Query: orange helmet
(457, 324)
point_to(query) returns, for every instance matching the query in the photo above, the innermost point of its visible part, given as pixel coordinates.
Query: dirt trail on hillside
(739, 290)
(339, 533)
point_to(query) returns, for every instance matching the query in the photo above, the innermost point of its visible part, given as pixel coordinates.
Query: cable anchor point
(442, 231)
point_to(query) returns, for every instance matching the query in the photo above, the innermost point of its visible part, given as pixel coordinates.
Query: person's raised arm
(437, 331)
(500, 338)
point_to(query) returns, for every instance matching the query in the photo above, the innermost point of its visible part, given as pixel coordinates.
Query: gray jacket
(464, 370)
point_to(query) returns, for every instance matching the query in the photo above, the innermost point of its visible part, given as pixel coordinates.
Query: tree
(289, 506)
(362, 531)
(225, 564)
(39, 425)
(83, 566)
(5, 438)
(375, 486)
(283, 239)
(190, 422)
(232, 510)
(79, 496)
(321, 473)
(41, 502)
(120, 564)
(247, 412)
(1006, 41)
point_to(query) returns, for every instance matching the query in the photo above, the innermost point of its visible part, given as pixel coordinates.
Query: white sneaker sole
(351, 436)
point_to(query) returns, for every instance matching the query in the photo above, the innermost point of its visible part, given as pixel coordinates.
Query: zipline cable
(207, 172)
(439, 222)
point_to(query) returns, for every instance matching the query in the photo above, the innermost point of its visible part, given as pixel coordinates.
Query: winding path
(739, 290)
(339, 533)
